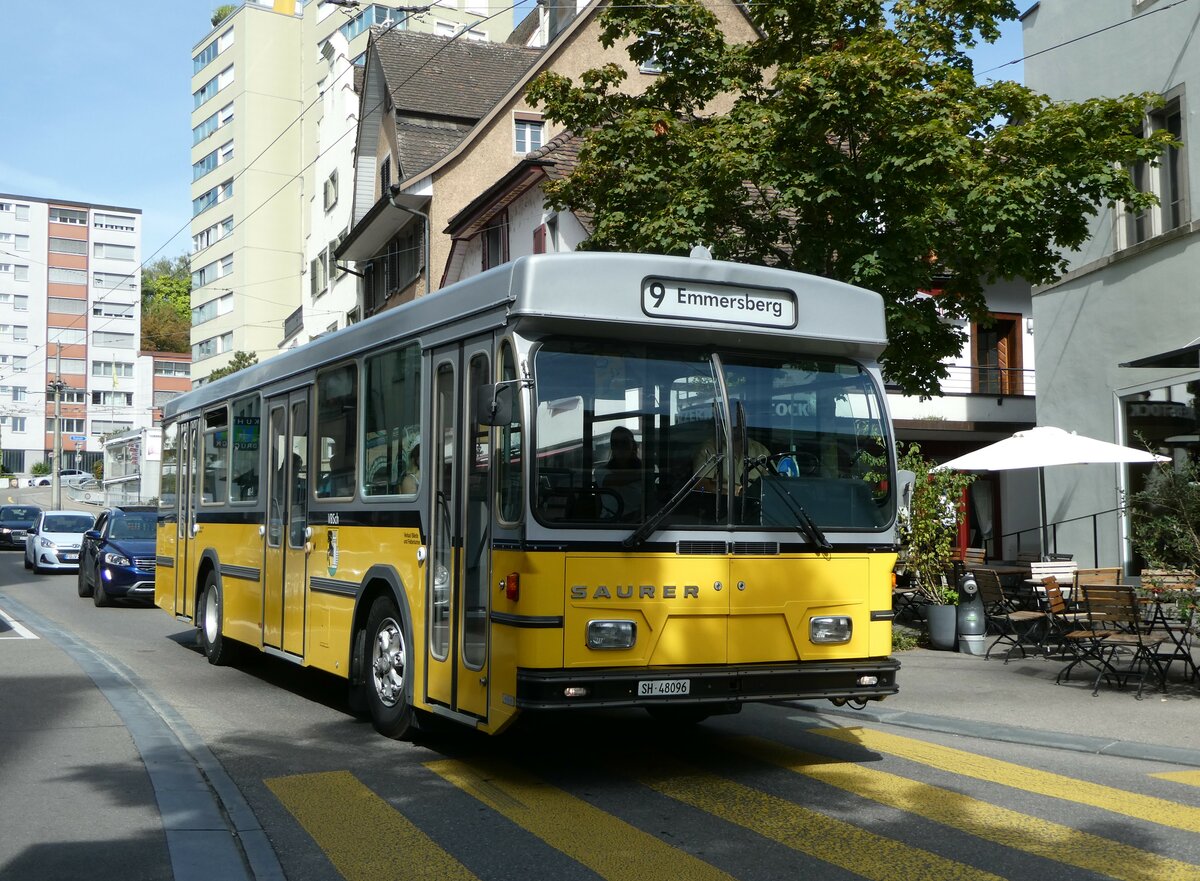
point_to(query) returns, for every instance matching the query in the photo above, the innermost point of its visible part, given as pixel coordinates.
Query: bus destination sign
(706, 301)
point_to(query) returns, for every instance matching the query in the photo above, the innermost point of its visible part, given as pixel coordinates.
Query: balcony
(972, 395)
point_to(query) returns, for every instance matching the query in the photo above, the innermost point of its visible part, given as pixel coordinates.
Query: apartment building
(1119, 333)
(273, 95)
(70, 323)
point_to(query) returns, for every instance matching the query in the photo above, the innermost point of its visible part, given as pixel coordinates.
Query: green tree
(929, 527)
(222, 12)
(1165, 517)
(236, 363)
(166, 305)
(870, 155)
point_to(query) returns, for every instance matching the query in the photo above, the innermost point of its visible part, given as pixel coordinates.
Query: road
(768, 794)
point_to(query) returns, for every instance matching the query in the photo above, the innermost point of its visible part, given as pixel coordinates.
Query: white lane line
(22, 632)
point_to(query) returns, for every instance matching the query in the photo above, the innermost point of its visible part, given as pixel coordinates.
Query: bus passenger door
(186, 561)
(285, 537)
(460, 560)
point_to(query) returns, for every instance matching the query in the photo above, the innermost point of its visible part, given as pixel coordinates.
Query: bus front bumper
(862, 679)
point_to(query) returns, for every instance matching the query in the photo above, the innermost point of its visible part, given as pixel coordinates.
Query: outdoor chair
(1120, 632)
(905, 600)
(1058, 558)
(1071, 629)
(1169, 607)
(1015, 626)
(1106, 575)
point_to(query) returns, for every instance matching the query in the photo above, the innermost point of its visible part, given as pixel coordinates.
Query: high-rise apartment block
(273, 121)
(70, 327)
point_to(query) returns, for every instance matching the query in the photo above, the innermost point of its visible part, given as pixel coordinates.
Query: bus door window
(245, 455)
(478, 520)
(508, 460)
(216, 457)
(298, 506)
(277, 426)
(442, 460)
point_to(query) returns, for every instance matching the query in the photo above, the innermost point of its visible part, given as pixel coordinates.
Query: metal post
(56, 475)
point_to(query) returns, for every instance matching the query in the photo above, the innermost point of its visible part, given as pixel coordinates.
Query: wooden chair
(1119, 631)
(904, 598)
(969, 556)
(1070, 628)
(1009, 620)
(1161, 592)
(1029, 557)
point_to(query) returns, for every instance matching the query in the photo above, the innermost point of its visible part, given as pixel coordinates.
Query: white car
(53, 542)
(67, 477)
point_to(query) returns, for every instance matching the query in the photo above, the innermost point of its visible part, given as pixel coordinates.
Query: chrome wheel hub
(388, 662)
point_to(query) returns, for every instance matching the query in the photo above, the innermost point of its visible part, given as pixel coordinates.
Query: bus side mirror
(495, 404)
(905, 481)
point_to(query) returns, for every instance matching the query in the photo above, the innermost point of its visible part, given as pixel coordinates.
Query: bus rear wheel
(387, 668)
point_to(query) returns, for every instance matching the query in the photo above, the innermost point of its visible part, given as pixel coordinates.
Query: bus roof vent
(757, 548)
(701, 547)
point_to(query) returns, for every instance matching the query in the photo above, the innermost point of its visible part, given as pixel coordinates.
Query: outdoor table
(1177, 630)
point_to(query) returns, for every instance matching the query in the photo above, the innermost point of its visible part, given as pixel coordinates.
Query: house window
(68, 215)
(385, 175)
(996, 357)
(1167, 180)
(652, 64)
(319, 280)
(527, 134)
(495, 242)
(331, 190)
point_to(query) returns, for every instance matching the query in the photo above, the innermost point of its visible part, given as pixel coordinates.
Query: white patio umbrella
(1044, 446)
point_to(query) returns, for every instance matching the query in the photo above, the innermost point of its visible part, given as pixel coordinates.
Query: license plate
(663, 687)
(70, 558)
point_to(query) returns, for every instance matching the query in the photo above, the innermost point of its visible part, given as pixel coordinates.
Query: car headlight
(47, 544)
(115, 559)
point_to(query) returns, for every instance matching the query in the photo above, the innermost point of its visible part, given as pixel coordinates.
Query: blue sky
(96, 105)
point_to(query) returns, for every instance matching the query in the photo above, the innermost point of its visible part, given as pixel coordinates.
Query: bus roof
(581, 291)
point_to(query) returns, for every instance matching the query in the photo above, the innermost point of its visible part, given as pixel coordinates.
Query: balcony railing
(995, 382)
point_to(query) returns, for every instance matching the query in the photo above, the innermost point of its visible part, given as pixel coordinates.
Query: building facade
(1118, 334)
(272, 93)
(70, 328)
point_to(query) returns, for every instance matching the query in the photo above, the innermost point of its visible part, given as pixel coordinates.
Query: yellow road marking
(608, 846)
(835, 841)
(1117, 801)
(1011, 829)
(1191, 778)
(364, 837)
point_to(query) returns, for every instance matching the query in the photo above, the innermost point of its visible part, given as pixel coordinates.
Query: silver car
(54, 540)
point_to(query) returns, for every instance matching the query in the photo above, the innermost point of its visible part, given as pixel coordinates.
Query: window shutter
(539, 240)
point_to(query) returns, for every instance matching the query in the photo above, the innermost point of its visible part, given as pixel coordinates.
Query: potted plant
(1165, 521)
(927, 531)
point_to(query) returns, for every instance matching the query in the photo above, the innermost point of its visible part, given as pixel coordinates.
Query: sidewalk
(100, 779)
(1019, 702)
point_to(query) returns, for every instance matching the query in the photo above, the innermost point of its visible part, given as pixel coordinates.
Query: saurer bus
(574, 480)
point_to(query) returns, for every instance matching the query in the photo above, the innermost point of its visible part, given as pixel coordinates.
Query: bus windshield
(766, 440)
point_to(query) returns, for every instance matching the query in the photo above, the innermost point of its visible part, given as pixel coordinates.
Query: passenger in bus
(412, 474)
(339, 479)
(757, 469)
(622, 473)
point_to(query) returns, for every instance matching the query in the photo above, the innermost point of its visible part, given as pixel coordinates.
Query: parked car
(67, 477)
(117, 558)
(15, 520)
(52, 543)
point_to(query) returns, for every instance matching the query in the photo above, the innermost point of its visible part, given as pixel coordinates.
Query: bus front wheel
(387, 670)
(217, 648)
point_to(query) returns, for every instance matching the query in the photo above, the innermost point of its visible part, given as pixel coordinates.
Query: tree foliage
(1165, 517)
(166, 305)
(222, 12)
(239, 361)
(869, 155)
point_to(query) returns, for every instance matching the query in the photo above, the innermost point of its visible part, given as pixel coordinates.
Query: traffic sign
(79, 438)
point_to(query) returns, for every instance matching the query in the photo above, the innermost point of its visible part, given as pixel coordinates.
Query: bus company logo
(331, 552)
(629, 592)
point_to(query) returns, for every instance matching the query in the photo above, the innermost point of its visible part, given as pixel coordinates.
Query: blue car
(118, 556)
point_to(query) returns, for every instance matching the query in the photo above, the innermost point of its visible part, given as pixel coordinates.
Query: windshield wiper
(808, 526)
(640, 534)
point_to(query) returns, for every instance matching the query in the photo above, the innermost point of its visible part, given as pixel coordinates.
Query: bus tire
(387, 669)
(219, 650)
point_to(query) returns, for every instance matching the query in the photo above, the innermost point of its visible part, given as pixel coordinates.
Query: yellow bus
(575, 480)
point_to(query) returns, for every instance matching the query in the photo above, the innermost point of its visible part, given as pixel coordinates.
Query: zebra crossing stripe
(989, 822)
(12, 624)
(834, 841)
(364, 837)
(607, 845)
(965, 764)
(1190, 778)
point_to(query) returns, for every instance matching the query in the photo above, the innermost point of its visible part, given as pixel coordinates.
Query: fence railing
(996, 545)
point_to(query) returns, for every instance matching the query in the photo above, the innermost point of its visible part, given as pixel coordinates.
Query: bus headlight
(611, 634)
(830, 629)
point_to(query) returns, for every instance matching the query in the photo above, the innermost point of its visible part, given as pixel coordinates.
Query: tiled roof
(448, 78)
(422, 145)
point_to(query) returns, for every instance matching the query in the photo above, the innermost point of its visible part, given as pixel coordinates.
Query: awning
(382, 222)
(1188, 356)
